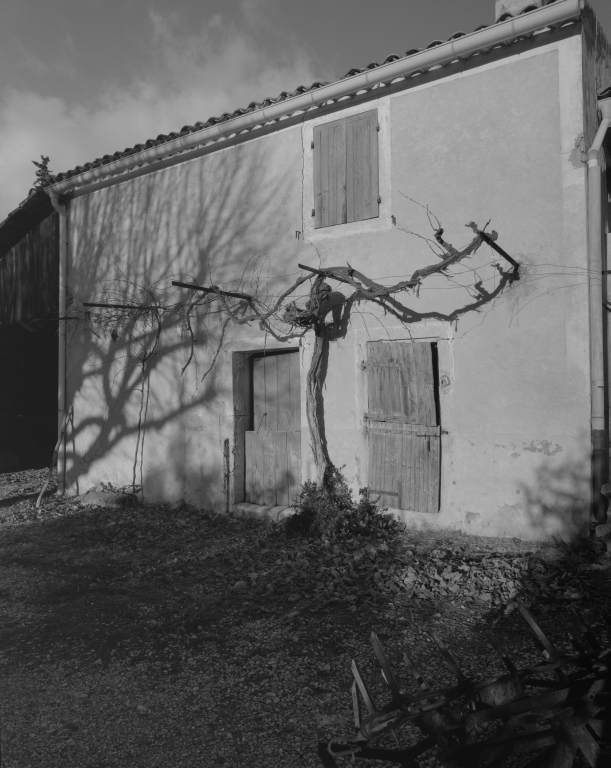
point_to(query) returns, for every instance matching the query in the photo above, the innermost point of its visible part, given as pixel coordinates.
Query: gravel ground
(170, 635)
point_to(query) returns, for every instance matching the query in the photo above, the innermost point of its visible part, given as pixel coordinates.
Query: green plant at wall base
(331, 512)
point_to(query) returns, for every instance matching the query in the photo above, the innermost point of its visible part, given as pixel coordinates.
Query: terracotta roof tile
(254, 105)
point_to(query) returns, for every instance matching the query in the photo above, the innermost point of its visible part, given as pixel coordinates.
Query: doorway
(267, 407)
(403, 424)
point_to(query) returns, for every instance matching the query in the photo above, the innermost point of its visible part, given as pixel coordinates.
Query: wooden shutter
(330, 173)
(401, 382)
(362, 187)
(346, 173)
(403, 427)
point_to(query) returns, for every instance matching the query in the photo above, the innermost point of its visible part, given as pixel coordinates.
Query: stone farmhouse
(474, 398)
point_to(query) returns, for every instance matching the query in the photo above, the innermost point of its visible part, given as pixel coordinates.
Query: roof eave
(502, 33)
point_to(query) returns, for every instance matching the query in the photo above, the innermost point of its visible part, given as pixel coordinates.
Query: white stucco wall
(491, 142)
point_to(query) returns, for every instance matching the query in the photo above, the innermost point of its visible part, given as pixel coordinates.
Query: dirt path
(171, 636)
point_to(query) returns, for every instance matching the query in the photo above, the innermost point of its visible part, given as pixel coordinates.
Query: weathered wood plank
(393, 469)
(435, 484)
(248, 486)
(325, 179)
(382, 459)
(240, 425)
(254, 473)
(281, 469)
(411, 381)
(353, 171)
(408, 463)
(391, 422)
(271, 392)
(372, 209)
(273, 396)
(419, 373)
(268, 449)
(425, 491)
(317, 172)
(284, 405)
(426, 385)
(362, 183)
(376, 446)
(293, 449)
(430, 472)
(337, 167)
(258, 389)
(295, 391)
(242, 415)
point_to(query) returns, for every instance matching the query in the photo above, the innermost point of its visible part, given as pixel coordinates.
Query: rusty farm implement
(553, 714)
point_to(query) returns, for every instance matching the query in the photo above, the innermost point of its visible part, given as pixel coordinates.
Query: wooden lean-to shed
(29, 286)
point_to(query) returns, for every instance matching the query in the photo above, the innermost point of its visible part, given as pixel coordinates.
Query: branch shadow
(557, 500)
(129, 373)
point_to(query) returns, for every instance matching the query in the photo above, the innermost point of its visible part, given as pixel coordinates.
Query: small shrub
(332, 513)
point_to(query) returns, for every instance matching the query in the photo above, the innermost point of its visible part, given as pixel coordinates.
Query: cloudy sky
(82, 78)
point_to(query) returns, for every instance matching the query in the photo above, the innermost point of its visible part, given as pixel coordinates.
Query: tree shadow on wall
(557, 500)
(133, 374)
(136, 375)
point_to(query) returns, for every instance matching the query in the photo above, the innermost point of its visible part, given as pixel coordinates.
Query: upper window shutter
(330, 173)
(362, 166)
(346, 170)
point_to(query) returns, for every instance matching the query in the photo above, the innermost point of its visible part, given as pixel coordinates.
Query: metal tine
(387, 673)
(543, 638)
(356, 706)
(501, 654)
(362, 688)
(540, 759)
(586, 631)
(412, 668)
(447, 657)
(581, 650)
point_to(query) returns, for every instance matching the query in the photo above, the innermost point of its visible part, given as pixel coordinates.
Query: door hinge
(313, 212)
(378, 127)
(379, 199)
(312, 145)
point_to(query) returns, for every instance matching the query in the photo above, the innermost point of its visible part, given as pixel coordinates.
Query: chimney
(505, 9)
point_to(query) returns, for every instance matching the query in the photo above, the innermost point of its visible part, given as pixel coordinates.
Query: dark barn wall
(29, 286)
(28, 395)
(29, 275)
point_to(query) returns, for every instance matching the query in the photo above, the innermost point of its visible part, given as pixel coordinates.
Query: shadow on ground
(155, 631)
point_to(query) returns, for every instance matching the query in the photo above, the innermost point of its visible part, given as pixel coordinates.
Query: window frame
(346, 170)
(383, 220)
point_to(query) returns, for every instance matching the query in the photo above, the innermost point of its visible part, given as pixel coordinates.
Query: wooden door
(403, 425)
(273, 445)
